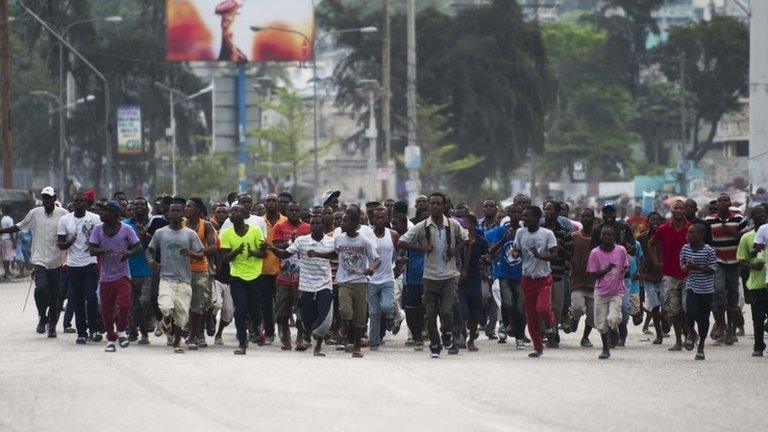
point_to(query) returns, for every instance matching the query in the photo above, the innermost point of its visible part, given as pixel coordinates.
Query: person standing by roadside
(176, 245)
(74, 233)
(668, 240)
(441, 238)
(114, 242)
(46, 259)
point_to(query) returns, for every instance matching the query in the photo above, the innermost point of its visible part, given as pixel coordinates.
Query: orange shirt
(195, 265)
(271, 264)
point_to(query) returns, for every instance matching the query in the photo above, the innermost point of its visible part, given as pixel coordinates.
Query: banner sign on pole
(129, 130)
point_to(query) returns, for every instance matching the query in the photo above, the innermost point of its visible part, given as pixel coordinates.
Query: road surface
(57, 385)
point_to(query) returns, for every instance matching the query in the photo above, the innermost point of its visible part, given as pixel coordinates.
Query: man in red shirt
(669, 240)
(287, 283)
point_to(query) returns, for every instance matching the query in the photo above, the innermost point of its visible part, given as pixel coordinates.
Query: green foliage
(206, 175)
(715, 58)
(658, 118)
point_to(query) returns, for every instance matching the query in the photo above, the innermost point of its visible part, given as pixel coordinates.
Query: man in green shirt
(243, 247)
(757, 290)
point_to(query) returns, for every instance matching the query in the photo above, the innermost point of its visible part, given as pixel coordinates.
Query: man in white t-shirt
(74, 231)
(43, 222)
(316, 300)
(7, 241)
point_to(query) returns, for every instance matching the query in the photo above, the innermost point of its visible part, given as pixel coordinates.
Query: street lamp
(364, 30)
(371, 86)
(98, 73)
(65, 112)
(172, 129)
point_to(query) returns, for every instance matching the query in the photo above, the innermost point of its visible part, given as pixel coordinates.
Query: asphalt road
(56, 385)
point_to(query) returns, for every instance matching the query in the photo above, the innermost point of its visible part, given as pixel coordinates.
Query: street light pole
(63, 151)
(98, 73)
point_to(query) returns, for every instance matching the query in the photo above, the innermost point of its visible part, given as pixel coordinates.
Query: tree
(204, 175)
(658, 118)
(439, 161)
(714, 56)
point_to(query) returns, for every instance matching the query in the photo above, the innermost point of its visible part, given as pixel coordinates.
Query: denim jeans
(513, 306)
(381, 300)
(83, 283)
(246, 296)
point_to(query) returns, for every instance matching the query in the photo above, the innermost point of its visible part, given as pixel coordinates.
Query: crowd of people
(349, 275)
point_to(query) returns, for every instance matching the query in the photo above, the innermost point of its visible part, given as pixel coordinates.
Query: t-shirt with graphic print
(355, 255)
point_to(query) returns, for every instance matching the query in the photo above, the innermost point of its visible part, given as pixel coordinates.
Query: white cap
(48, 190)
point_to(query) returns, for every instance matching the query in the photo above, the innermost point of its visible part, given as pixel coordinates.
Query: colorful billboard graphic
(129, 130)
(220, 30)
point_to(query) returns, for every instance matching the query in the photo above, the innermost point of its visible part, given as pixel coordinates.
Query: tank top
(386, 249)
(200, 266)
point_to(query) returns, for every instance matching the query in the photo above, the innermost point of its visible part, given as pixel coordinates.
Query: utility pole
(386, 103)
(413, 172)
(684, 129)
(5, 95)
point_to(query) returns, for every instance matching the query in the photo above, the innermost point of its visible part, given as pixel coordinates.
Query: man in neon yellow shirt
(243, 246)
(752, 256)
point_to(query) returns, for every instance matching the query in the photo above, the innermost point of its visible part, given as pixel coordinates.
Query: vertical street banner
(239, 30)
(129, 130)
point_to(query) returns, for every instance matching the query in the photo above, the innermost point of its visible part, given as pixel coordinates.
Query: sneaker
(178, 350)
(418, 346)
(490, 335)
(585, 343)
(605, 355)
(699, 356)
(502, 338)
(144, 339)
(658, 341)
(536, 354)
(110, 347)
(202, 343)
(447, 341)
(169, 340)
(40, 329)
(269, 340)
(97, 337)
(410, 342)
(519, 344)
(453, 350)
(434, 351)
(218, 340)
(731, 339)
(81, 340)
(398, 323)
(69, 330)
(239, 351)
(51, 332)
(502, 332)
(462, 344)
(123, 341)
(191, 345)
(158, 330)
(757, 353)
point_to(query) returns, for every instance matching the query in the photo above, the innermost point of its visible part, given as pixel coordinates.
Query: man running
(143, 301)
(114, 243)
(201, 283)
(470, 294)
(508, 269)
(381, 286)
(177, 246)
(698, 261)
(651, 276)
(668, 240)
(488, 222)
(243, 247)
(578, 246)
(287, 283)
(73, 234)
(441, 238)
(43, 222)
(270, 269)
(557, 265)
(316, 301)
(538, 247)
(751, 255)
(727, 229)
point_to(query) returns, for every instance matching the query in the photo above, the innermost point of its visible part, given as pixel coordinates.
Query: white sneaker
(519, 344)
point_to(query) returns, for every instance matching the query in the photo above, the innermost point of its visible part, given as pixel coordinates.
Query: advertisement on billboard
(221, 30)
(129, 130)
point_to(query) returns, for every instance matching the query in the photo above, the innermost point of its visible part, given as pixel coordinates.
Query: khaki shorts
(201, 293)
(634, 304)
(173, 299)
(607, 312)
(673, 296)
(353, 303)
(285, 299)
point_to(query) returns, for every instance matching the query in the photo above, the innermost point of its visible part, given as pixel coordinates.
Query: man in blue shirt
(509, 271)
(413, 286)
(144, 300)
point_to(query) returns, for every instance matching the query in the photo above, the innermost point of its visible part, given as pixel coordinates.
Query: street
(57, 385)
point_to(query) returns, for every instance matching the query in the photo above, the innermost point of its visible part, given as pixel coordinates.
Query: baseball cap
(327, 195)
(373, 203)
(609, 206)
(112, 206)
(48, 190)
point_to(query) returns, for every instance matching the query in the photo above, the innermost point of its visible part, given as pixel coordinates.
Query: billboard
(220, 30)
(129, 130)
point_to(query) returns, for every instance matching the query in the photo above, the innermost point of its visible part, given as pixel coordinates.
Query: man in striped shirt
(727, 228)
(697, 260)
